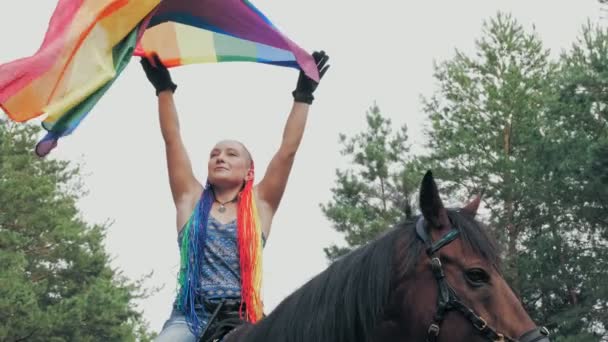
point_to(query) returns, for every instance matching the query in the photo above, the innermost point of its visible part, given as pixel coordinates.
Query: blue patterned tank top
(221, 276)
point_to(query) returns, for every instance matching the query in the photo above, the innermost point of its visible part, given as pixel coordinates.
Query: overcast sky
(380, 51)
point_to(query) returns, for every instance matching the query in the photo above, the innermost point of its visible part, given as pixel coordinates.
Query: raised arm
(181, 177)
(272, 186)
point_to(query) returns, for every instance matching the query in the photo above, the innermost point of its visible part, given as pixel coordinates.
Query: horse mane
(346, 302)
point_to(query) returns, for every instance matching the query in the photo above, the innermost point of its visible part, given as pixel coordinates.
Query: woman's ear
(250, 175)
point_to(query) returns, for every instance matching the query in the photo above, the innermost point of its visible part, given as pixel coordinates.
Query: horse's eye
(477, 276)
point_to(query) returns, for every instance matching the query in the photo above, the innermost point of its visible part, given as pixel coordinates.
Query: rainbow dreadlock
(249, 240)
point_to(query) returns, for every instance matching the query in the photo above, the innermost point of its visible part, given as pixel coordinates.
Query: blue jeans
(176, 329)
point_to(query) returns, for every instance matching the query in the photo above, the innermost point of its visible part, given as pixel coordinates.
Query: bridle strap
(447, 299)
(433, 248)
(480, 324)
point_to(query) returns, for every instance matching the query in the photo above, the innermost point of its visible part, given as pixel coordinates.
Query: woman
(222, 226)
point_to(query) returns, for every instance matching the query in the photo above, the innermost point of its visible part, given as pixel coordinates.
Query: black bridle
(447, 299)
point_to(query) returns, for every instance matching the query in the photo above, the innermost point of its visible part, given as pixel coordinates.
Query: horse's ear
(473, 206)
(431, 205)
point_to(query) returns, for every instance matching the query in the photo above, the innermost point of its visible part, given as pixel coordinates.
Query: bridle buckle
(434, 330)
(436, 265)
(481, 324)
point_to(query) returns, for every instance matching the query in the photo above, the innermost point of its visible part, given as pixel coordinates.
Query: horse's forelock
(476, 236)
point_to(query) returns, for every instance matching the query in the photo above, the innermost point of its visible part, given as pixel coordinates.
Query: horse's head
(456, 292)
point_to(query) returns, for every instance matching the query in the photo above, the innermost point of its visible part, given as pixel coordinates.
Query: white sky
(380, 51)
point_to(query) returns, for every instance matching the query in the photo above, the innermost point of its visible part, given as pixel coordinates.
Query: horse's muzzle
(536, 335)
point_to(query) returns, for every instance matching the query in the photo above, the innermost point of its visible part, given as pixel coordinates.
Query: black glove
(307, 86)
(158, 75)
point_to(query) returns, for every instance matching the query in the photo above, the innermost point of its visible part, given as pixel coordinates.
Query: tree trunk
(509, 212)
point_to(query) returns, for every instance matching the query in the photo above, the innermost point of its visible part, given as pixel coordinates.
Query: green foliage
(56, 283)
(527, 130)
(533, 134)
(486, 118)
(374, 194)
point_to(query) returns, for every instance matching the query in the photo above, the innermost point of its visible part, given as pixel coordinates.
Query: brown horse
(433, 279)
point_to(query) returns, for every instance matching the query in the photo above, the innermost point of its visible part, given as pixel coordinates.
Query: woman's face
(229, 164)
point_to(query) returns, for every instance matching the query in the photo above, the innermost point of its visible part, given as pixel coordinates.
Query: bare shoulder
(264, 211)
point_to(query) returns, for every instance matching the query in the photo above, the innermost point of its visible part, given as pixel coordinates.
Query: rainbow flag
(89, 43)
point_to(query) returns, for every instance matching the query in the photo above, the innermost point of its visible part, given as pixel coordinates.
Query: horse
(434, 278)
